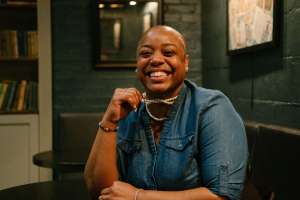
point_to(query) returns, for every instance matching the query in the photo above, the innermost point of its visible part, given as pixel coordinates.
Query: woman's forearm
(101, 170)
(123, 190)
(200, 193)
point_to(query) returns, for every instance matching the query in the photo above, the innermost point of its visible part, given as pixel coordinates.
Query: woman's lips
(158, 74)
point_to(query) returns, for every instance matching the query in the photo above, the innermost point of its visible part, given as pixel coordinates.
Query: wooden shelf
(17, 112)
(19, 69)
(18, 16)
(18, 5)
(18, 59)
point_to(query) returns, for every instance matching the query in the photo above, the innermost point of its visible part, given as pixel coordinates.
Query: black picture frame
(251, 25)
(106, 55)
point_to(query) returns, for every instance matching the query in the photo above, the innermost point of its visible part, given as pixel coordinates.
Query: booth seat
(76, 136)
(274, 164)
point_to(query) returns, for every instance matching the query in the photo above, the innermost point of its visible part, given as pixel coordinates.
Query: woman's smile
(158, 74)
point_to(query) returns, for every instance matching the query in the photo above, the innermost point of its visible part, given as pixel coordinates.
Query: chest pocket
(177, 149)
(177, 166)
(177, 144)
(131, 161)
(130, 146)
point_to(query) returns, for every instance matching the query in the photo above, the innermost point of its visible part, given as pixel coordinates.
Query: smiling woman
(175, 141)
(120, 25)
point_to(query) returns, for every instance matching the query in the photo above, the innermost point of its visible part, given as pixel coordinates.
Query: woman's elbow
(88, 179)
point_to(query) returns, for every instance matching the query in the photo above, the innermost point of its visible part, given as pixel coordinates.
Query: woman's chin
(162, 90)
(157, 89)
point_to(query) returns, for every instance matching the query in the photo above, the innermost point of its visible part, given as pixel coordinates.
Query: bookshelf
(18, 57)
(24, 133)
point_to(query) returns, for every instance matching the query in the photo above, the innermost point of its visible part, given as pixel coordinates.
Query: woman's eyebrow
(169, 44)
(164, 45)
(145, 46)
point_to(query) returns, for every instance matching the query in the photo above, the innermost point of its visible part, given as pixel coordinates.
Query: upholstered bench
(274, 164)
(76, 136)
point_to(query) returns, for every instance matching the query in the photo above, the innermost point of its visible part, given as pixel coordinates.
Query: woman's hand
(119, 190)
(123, 101)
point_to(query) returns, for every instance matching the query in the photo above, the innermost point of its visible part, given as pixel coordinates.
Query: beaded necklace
(168, 101)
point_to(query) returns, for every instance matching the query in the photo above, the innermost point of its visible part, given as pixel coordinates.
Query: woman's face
(162, 62)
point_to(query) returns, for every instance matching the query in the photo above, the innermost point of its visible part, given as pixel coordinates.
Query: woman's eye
(169, 53)
(145, 54)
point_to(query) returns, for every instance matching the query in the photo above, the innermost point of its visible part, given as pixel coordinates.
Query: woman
(175, 141)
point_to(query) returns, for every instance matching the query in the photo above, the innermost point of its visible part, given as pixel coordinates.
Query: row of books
(18, 43)
(18, 96)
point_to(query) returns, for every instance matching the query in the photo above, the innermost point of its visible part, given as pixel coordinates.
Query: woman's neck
(159, 110)
(156, 127)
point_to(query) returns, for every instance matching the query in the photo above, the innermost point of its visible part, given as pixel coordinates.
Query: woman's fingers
(123, 101)
(106, 191)
(131, 96)
(134, 94)
(118, 190)
(103, 197)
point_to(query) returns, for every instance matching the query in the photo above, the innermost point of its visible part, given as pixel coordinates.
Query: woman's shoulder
(204, 96)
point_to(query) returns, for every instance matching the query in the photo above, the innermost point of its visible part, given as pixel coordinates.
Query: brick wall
(264, 84)
(185, 16)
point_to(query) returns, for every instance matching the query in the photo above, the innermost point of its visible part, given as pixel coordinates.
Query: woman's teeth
(158, 74)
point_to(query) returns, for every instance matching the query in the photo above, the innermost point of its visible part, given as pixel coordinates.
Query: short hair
(164, 27)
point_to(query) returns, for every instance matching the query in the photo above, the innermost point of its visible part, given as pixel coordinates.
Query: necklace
(168, 101)
(153, 117)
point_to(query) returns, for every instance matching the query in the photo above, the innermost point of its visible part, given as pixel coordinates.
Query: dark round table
(65, 161)
(51, 190)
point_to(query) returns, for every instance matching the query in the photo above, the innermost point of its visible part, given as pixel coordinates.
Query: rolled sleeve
(222, 149)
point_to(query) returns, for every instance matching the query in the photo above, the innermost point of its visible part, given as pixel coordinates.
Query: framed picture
(118, 28)
(251, 24)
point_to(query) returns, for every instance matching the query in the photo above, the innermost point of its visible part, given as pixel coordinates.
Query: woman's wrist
(108, 126)
(137, 193)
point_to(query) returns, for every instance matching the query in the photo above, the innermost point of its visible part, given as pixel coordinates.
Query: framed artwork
(118, 28)
(251, 24)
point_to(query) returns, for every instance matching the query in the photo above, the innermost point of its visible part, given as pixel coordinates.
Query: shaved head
(163, 28)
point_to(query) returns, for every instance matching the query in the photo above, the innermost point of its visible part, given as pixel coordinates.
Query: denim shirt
(202, 144)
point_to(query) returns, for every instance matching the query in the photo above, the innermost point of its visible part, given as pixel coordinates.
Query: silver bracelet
(137, 193)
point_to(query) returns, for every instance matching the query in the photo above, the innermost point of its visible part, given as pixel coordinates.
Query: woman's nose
(157, 59)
